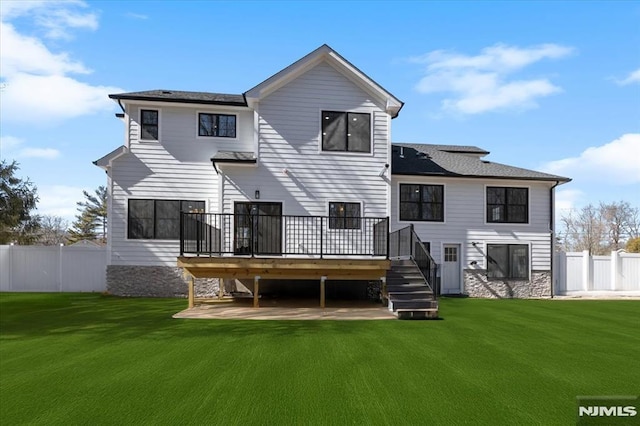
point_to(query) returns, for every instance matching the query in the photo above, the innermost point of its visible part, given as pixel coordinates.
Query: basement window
(508, 261)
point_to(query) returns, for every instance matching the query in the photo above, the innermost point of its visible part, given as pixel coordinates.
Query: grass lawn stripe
(90, 359)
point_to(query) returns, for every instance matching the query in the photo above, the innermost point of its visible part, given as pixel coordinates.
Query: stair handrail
(405, 242)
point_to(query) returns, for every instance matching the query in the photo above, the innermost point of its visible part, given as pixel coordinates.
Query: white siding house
(279, 146)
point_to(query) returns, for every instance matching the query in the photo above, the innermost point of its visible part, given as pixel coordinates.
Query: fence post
(586, 271)
(60, 268)
(615, 265)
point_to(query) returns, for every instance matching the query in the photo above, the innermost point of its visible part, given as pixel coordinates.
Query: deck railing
(218, 234)
(406, 243)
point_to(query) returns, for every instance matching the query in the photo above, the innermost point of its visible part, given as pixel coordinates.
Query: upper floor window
(149, 124)
(217, 125)
(158, 219)
(344, 215)
(422, 203)
(346, 131)
(509, 261)
(507, 205)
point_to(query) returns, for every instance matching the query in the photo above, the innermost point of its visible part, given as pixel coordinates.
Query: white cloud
(9, 143)
(483, 83)
(28, 55)
(633, 77)
(59, 200)
(615, 162)
(48, 153)
(11, 146)
(55, 18)
(37, 82)
(567, 199)
(30, 98)
(136, 16)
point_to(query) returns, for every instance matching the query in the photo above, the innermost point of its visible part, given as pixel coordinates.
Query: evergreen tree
(18, 199)
(91, 223)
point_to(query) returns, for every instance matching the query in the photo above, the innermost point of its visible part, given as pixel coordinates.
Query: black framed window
(508, 261)
(217, 125)
(507, 205)
(344, 215)
(346, 131)
(149, 122)
(422, 202)
(158, 219)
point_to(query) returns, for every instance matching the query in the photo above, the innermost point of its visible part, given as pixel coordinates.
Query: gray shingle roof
(447, 160)
(183, 97)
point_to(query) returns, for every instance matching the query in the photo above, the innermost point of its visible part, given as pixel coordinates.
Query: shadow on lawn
(108, 317)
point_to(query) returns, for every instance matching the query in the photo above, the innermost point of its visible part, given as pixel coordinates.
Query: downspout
(552, 222)
(121, 107)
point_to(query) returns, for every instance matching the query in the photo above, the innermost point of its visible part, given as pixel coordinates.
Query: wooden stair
(408, 293)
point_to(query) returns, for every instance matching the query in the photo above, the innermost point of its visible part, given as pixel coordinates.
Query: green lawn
(91, 359)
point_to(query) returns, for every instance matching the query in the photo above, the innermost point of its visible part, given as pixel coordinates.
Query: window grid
(344, 215)
(149, 119)
(216, 125)
(158, 219)
(346, 131)
(508, 261)
(423, 203)
(507, 205)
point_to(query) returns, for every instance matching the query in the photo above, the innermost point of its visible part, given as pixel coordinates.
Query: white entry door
(451, 269)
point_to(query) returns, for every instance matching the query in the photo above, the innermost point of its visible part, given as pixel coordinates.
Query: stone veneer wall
(155, 281)
(476, 284)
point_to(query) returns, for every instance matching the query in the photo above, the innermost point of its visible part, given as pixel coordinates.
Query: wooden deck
(285, 268)
(257, 268)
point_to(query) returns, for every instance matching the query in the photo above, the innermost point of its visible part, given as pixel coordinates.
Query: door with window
(451, 269)
(258, 228)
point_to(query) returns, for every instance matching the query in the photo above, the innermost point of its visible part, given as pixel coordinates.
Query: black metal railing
(406, 243)
(217, 234)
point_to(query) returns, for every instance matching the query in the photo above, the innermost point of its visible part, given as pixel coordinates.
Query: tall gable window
(217, 125)
(149, 124)
(507, 205)
(344, 215)
(158, 219)
(510, 261)
(422, 203)
(346, 131)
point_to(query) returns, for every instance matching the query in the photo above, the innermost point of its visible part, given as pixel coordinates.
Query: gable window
(344, 215)
(507, 205)
(217, 125)
(422, 203)
(149, 124)
(346, 131)
(509, 261)
(158, 219)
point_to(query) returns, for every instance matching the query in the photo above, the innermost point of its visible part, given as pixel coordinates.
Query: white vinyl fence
(578, 272)
(53, 268)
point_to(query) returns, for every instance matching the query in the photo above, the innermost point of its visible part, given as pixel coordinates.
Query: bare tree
(53, 230)
(621, 221)
(600, 229)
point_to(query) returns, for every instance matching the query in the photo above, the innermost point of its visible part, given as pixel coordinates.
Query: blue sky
(550, 86)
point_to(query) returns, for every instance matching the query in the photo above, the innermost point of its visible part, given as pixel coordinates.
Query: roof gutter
(552, 222)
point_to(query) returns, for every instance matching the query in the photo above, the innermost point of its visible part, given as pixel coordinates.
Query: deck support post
(322, 291)
(191, 292)
(220, 288)
(383, 288)
(256, 288)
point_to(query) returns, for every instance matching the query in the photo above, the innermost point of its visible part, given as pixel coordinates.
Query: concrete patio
(289, 310)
